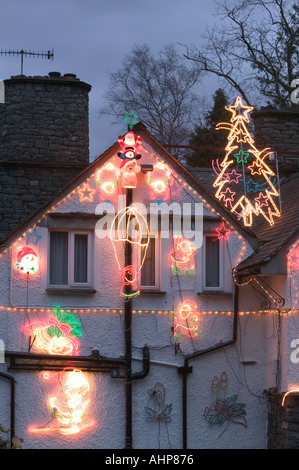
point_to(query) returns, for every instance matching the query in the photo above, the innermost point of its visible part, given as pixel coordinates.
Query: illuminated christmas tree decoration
(130, 226)
(107, 178)
(27, 261)
(186, 321)
(255, 175)
(222, 232)
(68, 406)
(85, 193)
(182, 257)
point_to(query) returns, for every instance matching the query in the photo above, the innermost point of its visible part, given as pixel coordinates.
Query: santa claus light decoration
(27, 261)
(129, 156)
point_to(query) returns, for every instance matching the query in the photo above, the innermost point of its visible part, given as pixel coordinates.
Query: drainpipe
(128, 340)
(12, 404)
(186, 369)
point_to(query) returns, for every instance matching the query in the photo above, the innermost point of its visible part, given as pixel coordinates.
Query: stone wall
(283, 421)
(279, 130)
(44, 142)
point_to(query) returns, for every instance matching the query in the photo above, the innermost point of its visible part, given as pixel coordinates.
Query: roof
(274, 238)
(196, 183)
(271, 239)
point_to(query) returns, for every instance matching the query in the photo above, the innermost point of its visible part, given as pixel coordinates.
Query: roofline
(203, 190)
(76, 181)
(244, 231)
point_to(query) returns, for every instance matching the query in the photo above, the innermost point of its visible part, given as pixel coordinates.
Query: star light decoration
(245, 183)
(222, 232)
(131, 118)
(32, 237)
(86, 193)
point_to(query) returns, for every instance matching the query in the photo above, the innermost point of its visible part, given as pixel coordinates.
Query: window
(150, 272)
(212, 263)
(70, 258)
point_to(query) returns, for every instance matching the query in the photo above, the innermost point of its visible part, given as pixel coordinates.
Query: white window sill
(152, 291)
(70, 290)
(207, 293)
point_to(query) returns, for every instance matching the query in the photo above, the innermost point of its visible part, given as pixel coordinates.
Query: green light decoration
(68, 319)
(241, 156)
(131, 118)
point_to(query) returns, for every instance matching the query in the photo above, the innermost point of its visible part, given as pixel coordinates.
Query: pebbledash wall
(44, 142)
(239, 373)
(36, 166)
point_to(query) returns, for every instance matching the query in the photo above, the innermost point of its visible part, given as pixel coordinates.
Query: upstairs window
(70, 258)
(150, 272)
(213, 252)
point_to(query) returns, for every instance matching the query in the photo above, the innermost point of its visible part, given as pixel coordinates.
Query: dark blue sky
(91, 37)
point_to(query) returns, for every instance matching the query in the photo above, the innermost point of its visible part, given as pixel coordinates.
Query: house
(137, 311)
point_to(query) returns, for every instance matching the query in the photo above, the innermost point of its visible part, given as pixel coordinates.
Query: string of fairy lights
(83, 186)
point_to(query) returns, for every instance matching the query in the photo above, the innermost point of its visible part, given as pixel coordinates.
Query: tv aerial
(22, 53)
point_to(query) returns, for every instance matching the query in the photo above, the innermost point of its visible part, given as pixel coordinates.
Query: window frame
(71, 259)
(219, 288)
(157, 286)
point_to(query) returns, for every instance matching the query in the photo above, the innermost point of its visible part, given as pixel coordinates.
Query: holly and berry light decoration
(58, 335)
(245, 183)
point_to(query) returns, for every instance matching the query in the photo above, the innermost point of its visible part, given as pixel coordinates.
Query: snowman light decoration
(129, 156)
(27, 261)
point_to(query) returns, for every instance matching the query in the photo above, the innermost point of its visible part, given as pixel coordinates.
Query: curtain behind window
(212, 262)
(80, 258)
(148, 271)
(59, 258)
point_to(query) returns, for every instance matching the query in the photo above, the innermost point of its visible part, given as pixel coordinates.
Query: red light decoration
(68, 406)
(182, 257)
(132, 228)
(293, 258)
(159, 180)
(85, 193)
(222, 232)
(186, 321)
(27, 261)
(107, 178)
(128, 173)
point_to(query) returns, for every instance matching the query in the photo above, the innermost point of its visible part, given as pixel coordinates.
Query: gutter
(186, 369)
